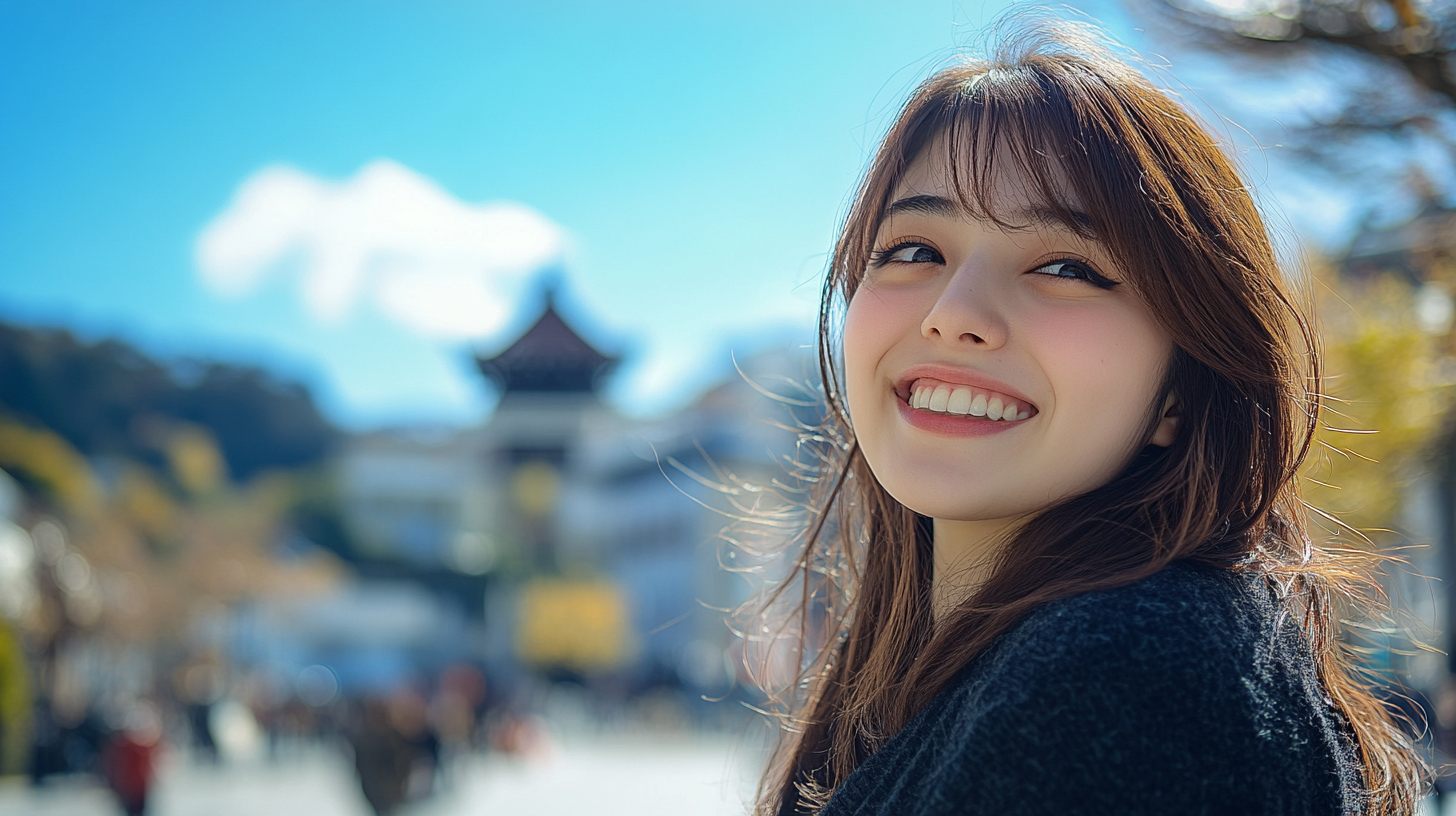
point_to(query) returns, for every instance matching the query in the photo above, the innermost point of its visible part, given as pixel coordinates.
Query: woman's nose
(967, 310)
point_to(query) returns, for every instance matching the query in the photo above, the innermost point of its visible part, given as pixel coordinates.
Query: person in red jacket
(130, 758)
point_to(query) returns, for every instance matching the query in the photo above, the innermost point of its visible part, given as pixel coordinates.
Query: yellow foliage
(196, 462)
(1387, 386)
(578, 625)
(15, 703)
(49, 461)
(145, 504)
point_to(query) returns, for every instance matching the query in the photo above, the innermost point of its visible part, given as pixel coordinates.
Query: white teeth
(947, 399)
(940, 398)
(960, 401)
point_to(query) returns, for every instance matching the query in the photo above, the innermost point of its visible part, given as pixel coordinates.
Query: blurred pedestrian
(130, 757)
(201, 689)
(452, 719)
(383, 758)
(520, 735)
(46, 755)
(1058, 562)
(68, 739)
(199, 721)
(410, 716)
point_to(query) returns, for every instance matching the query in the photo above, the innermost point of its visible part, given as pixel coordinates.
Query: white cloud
(426, 259)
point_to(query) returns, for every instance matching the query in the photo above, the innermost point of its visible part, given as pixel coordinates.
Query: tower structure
(550, 381)
(550, 358)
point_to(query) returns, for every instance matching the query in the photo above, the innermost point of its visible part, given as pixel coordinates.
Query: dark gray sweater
(1182, 694)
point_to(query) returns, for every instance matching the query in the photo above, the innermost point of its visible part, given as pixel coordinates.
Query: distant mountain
(109, 399)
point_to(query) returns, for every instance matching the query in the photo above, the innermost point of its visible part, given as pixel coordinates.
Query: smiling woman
(1060, 563)
(1020, 330)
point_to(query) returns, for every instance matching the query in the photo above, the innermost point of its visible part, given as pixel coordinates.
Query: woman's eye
(907, 253)
(1075, 270)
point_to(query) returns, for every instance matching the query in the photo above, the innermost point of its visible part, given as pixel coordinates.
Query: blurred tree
(1417, 38)
(316, 514)
(258, 421)
(15, 704)
(197, 464)
(109, 400)
(46, 465)
(1387, 430)
(1371, 75)
(147, 507)
(1388, 387)
(87, 394)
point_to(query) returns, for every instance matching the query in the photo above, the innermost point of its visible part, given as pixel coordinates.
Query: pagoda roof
(550, 357)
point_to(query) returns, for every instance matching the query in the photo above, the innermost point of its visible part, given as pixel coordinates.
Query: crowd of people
(405, 741)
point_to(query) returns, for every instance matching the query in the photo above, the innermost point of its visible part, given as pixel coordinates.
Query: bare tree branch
(1417, 39)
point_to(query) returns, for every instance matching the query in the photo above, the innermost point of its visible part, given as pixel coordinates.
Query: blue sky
(693, 159)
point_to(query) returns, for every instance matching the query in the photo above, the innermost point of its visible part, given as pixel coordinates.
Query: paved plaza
(640, 775)
(632, 776)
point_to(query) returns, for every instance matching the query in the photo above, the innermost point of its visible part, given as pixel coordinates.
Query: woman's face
(957, 322)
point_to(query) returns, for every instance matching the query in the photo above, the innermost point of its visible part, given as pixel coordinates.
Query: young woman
(1059, 563)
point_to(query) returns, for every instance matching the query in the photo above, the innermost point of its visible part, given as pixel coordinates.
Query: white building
(556, 487)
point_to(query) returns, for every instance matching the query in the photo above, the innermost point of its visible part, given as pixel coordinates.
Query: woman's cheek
(1105, 363)
(874, 322)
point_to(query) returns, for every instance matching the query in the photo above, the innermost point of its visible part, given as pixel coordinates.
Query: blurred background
(377, 379)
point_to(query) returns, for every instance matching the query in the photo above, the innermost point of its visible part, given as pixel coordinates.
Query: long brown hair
(1084, 126)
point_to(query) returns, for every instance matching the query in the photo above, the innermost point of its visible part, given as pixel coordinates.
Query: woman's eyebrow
(1042, 216)
(926, 205)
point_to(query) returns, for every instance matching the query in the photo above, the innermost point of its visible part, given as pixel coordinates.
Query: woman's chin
(939, 501)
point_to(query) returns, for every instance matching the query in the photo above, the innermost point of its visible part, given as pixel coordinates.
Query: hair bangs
(1037, 128)
(1004, 131)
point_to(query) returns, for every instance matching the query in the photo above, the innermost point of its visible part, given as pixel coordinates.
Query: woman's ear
(1167, 427)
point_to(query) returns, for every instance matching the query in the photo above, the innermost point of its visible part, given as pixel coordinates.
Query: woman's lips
(954, 402)
(956, 377)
